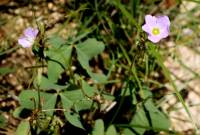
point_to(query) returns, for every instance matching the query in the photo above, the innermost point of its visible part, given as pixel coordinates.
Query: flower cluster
(28, 37)
(156, 27)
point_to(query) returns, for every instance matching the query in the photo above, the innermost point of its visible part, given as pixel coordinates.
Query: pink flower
(28, 37)
(156, 27)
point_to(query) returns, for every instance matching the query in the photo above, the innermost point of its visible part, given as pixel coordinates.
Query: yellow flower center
(156, 31)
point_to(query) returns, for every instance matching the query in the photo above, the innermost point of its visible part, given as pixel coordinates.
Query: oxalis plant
(69, 97)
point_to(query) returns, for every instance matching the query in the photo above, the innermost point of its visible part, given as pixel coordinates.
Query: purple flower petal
(154, 39)
(35, 32)
(164, 33)
(146, 28)
(24, 42)
(163, 20)
(150, 20)
(31, 32)
(28, 37)
(28, 32)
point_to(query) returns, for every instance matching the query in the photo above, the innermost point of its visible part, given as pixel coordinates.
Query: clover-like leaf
(23, 128)
(111, 130)
(98, 127)
(68, 103)
(90, 48)
(56, 41)
(86, 51)
(46, 84)
(29, 99)
(59, 59)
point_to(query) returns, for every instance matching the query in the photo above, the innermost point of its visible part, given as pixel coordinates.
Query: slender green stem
(36, 66)
(125, 53)
(9, 50)
(146, 68)
(123, 96)
(166, 72)
(138, 81)
(121, 7)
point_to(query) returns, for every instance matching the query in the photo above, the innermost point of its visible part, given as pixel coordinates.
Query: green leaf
(88, 90)
(23, 128)
(158, 119)
(46, 84)
(145, 92)
(54, 70)
(86, 51)
(58, 62)
(140, 119)
(73, 95)
(132, 93)
(111, 130)
(56, 41)
(17, 112)
(127, 131)
(99, 78)
(98, 127)
(29, 100)
(108, 96)
(83, 104)
(90, 48)
(75, 99)
(83, 59)
(49, 103)
(66, 103)
(72, 117)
